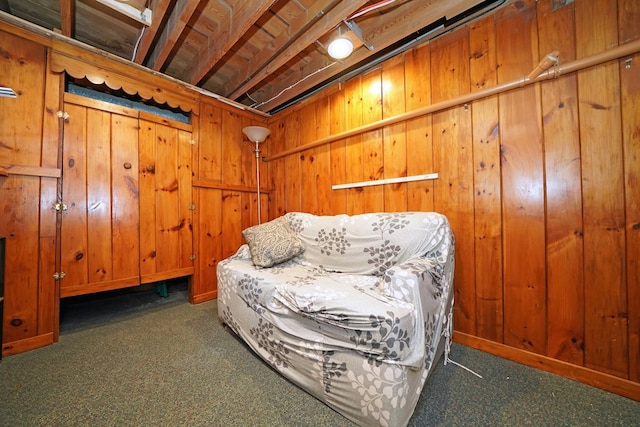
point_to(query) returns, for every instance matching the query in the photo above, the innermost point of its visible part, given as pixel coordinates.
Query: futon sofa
(356, 309)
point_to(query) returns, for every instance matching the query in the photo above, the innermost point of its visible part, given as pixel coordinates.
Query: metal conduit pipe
(626, 49)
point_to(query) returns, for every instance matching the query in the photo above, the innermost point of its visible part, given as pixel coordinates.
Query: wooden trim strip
(221, 186)
(30, 171)
(617, 385)
(612, 54)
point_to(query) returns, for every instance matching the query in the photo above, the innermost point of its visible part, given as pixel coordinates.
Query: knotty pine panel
(452, 133)
(486, 185)
(323, 160)
(419, 138)
(353, 152)
(522, 181)
(278, 175)
(630, 84)
(338, 160)
(98, 197)
(394, 137)
(629, 16)
(210, 239)
(210, 160)
(125, 204)
(293, 200)
(233, 140)
(74, 191)
(564, 229)
(606, 332)
(147, 184)
(22, 68)
(372, 147)
(307, 160)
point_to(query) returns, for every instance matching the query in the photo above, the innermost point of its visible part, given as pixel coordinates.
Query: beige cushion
(272, 243)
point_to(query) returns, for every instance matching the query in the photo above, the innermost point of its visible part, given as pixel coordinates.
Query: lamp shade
(256, 133)
(340, 48)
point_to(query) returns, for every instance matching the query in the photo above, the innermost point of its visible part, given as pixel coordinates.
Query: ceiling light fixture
(340, 47)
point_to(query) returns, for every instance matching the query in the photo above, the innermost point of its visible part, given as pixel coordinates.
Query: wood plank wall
(541, 183)
(28, 142)
(224, 180)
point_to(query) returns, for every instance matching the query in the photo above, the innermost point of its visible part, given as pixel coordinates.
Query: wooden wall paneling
(307, 158)
(277, 171)
(394, 157)
(453, 157)
(372, 145)
(48, 299)
(606, 331)
(565, 284)
(323, 159)
(338, 153)
(630, 82)
(210, 160)
(231, 220)
(353, 145)
(125, 204)
(22, 68)
(629, 16)
(210, 242)
(419, 134)
(232, 140)
(167, 200)
(486, 178)
(99, 250)
(185, 200)
(522, 181)
(293, 202)
(147, 184)
(74, 194)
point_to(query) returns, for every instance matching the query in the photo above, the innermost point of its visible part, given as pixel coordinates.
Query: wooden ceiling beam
(67, 21)
(243, 16)
(302, 35)
(159, 9)
(180, 16)
(398, 22)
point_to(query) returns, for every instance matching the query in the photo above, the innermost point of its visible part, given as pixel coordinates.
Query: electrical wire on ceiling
(293, 85)
(354, 15)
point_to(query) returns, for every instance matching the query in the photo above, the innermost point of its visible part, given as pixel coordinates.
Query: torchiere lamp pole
(257, 134)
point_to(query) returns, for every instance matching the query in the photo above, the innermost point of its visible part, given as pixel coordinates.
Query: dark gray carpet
(136, 359)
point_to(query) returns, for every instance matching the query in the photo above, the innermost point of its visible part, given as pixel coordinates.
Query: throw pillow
(272, 243)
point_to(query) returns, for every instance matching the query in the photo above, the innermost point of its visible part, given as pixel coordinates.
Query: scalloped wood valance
(100, 69)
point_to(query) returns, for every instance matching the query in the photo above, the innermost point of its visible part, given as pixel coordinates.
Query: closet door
(166, 232)
(100, 226)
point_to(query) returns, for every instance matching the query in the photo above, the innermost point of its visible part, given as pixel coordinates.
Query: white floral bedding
(362, 340)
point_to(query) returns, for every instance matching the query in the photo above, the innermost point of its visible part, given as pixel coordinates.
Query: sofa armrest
(413, 280)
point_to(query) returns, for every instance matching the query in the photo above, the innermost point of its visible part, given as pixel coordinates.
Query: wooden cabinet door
(100, 227)
(166, 232)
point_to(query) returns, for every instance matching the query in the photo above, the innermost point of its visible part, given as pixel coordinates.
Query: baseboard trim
(613, 384)
(26, 344)
(207, 296)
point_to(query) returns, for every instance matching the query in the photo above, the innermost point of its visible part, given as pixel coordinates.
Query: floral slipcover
(358, 319)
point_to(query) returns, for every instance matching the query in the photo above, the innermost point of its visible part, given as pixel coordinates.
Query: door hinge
(63, 115)
(58, 276)
(192, 207)
(192, 257)
(60, 206)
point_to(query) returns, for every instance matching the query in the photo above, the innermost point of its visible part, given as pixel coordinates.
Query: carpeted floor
(136, 359)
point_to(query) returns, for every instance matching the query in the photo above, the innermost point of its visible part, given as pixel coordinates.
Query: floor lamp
(257, 134)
